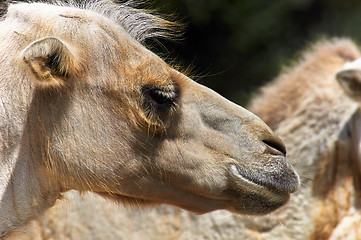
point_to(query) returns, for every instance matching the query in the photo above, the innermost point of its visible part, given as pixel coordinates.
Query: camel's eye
(160, 98)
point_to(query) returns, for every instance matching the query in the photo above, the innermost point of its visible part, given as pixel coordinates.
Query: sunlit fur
(321, 127)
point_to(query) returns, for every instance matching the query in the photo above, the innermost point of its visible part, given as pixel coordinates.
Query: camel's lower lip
(235, 171)
(256, 197)
(258, 183)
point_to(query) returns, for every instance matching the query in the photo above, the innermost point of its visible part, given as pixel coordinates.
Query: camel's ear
(350, 80)
(51, 61)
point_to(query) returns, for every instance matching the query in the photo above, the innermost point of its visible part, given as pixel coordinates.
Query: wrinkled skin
(96, 111)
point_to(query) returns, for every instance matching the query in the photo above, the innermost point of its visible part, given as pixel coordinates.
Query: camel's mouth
(260, 194)
(288, 184)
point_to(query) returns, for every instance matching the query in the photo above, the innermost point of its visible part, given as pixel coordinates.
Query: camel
(314, 107)
(86, 106)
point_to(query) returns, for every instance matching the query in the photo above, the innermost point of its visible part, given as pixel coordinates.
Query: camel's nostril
(276, 146)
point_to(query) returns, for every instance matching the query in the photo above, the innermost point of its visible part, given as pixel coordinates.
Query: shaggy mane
(140, 24)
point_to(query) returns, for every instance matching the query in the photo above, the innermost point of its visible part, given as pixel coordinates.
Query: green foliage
(239, 45)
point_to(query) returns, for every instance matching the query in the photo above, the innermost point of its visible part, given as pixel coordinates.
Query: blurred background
(236, 46)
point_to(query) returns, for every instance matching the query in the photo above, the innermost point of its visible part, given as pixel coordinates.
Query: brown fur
(313, 70)
(334, 181)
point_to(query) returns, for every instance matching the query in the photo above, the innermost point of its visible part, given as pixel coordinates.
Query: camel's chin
(260, 205)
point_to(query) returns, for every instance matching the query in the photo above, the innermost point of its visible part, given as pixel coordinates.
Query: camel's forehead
(38, 10)
(94, 35)
(57, 19)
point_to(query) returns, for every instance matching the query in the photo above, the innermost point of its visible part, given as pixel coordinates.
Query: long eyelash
(169, 95)
(166, 95)
(162, 97)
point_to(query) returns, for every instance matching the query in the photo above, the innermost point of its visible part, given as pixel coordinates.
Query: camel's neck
(23, 193)
(15, 206)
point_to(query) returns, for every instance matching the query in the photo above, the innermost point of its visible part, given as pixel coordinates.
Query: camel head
(86, 106)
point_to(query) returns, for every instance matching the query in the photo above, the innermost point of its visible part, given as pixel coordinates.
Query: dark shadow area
(235, 47)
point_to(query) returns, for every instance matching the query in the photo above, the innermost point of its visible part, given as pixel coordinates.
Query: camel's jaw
(242, 194)
(202, 206)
